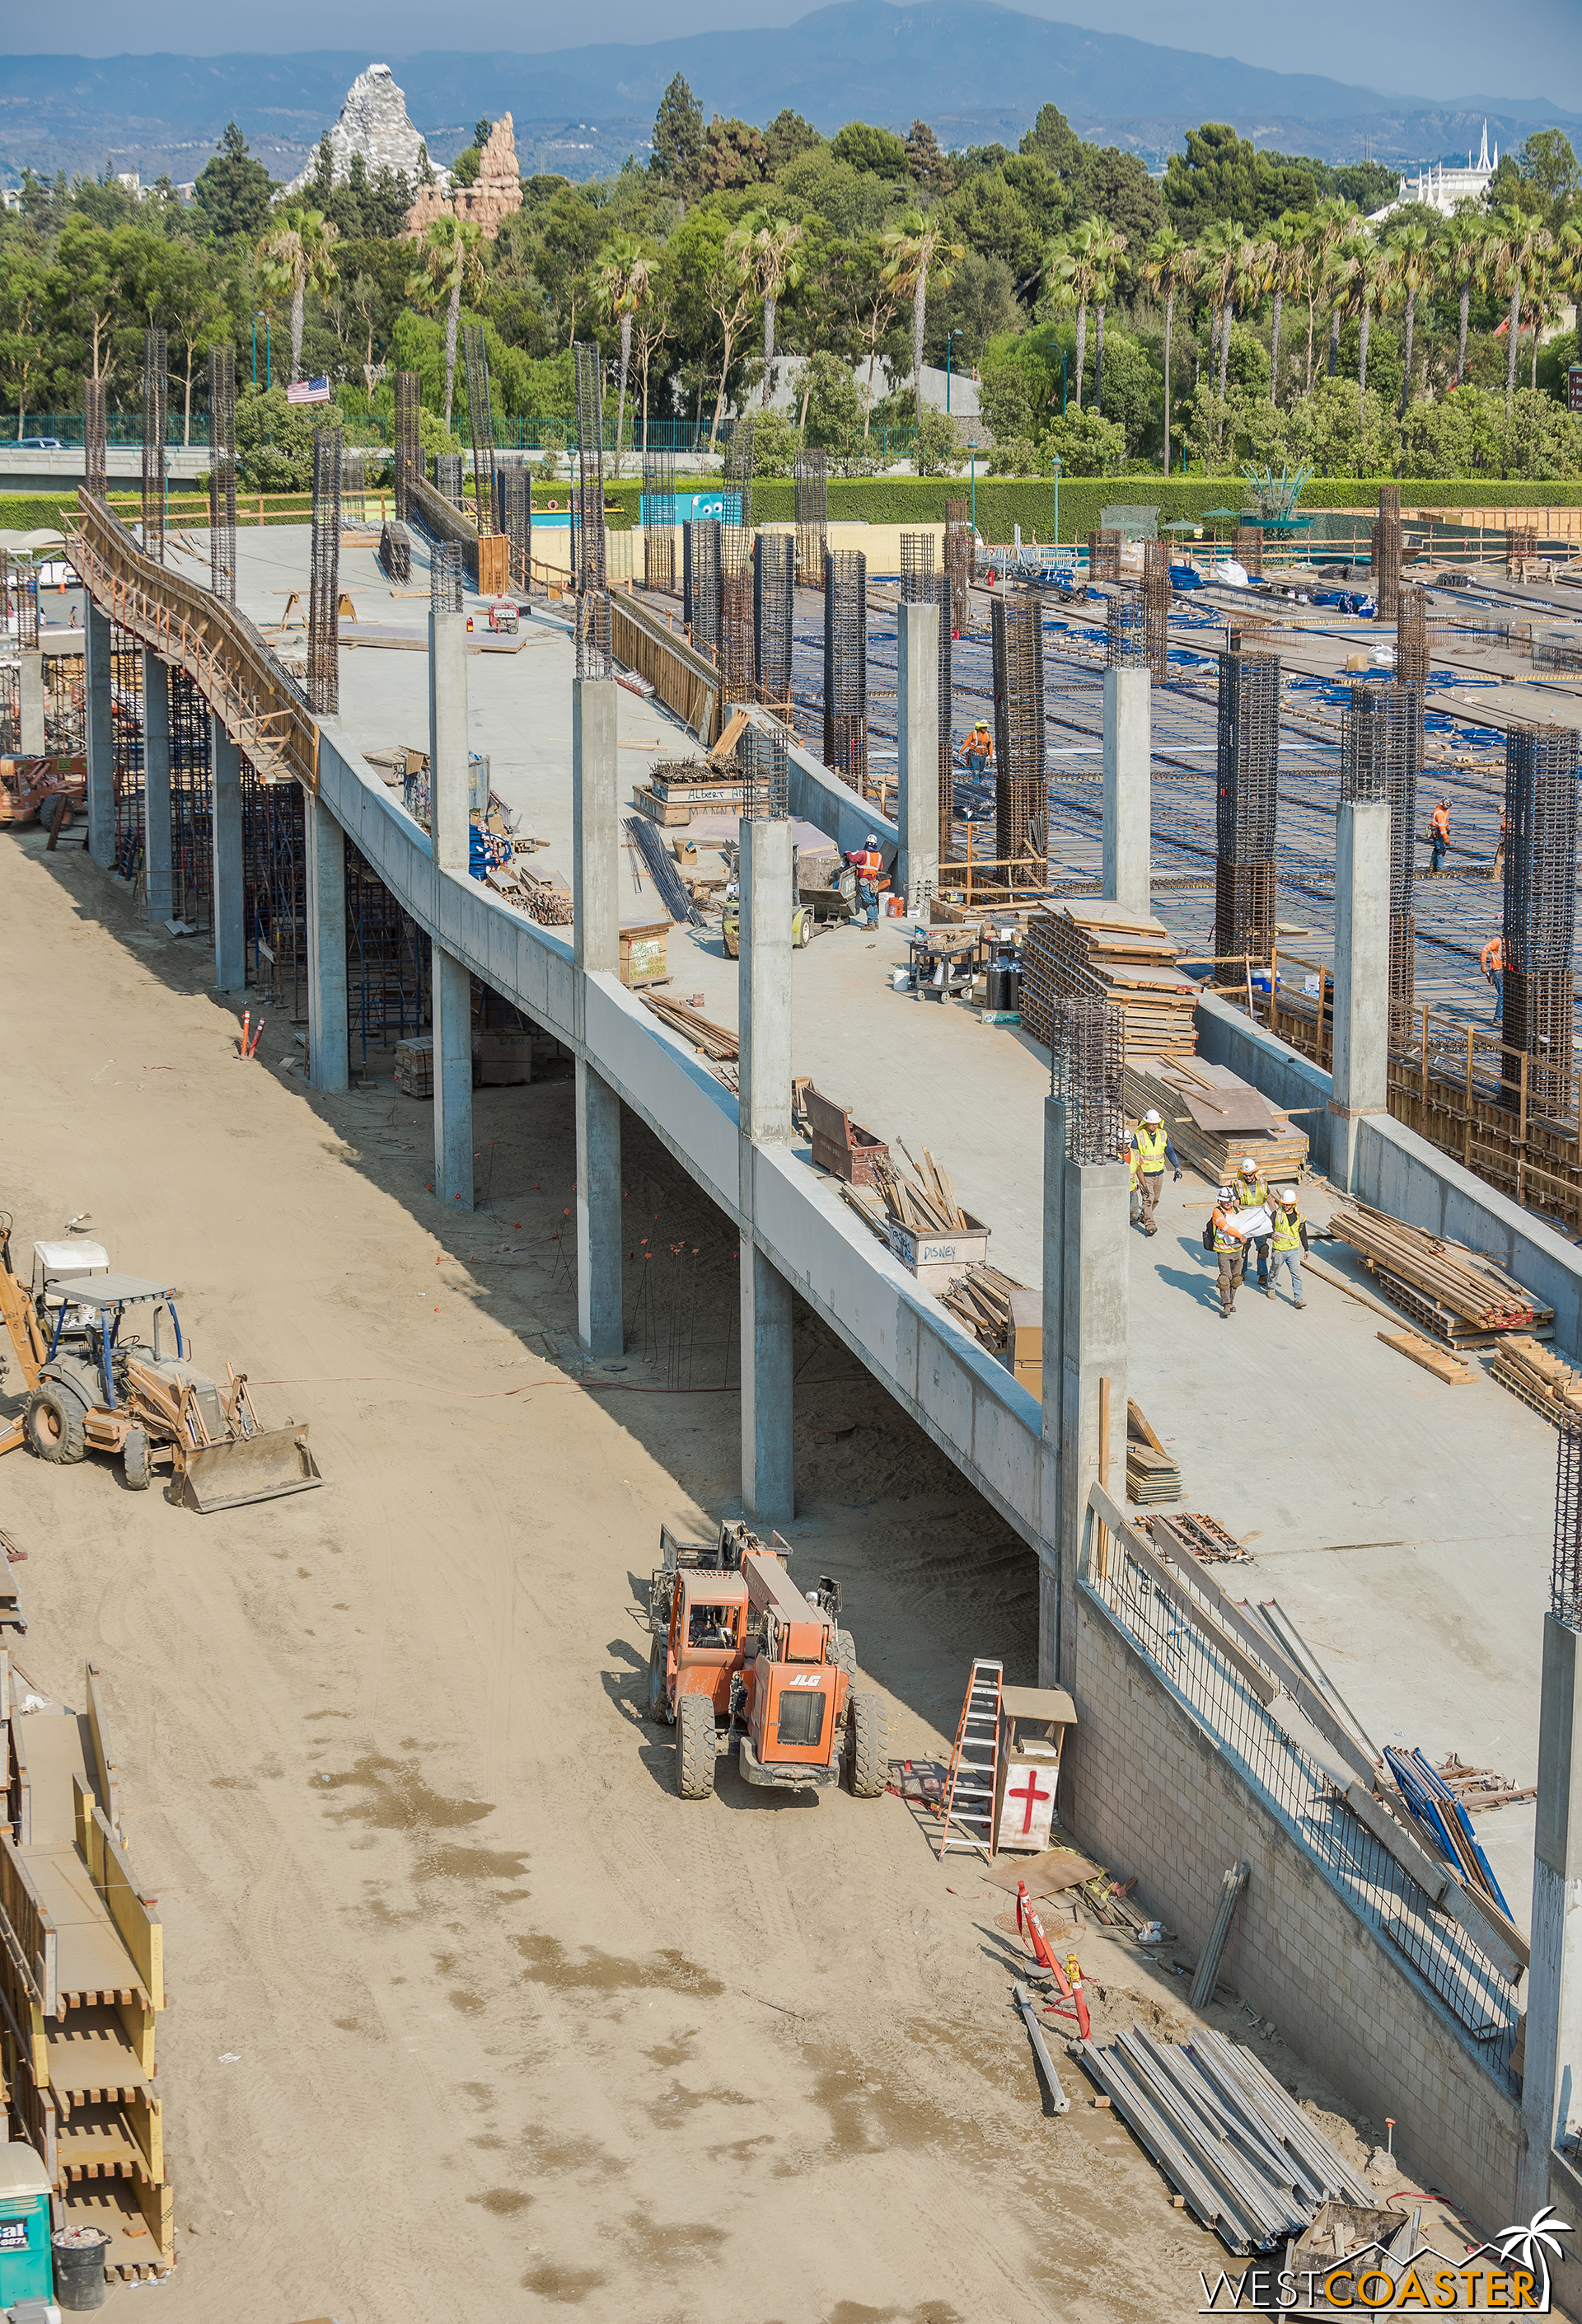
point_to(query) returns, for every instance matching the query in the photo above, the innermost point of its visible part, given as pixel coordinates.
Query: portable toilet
(26, 2269)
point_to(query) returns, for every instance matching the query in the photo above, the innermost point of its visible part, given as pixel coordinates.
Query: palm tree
(1253, 272)
(1072, 275)
(293, 258)
(1334, 221)
(1414, 263)
(1289, 270)
(1359, 275)
(1221, 254)
(914, 248)
(1107, 253)
(1466, 263)
(1532, 2246)
(1518, 243)
(1169, 268)
(450, 262)
(620, 285)
(777, 268)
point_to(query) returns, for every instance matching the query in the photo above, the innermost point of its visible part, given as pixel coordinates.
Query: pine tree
(678, 138)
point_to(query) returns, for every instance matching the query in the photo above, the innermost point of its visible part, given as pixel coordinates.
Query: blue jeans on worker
(1436, 862)
(1292, 1260)
(867, 898)
(1259, 1243)
(976, 762)
(1496, 977)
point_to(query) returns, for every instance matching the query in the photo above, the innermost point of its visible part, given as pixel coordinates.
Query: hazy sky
(1421, 48)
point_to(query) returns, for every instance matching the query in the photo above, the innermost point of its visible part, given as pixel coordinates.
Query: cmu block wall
(1148, 1790)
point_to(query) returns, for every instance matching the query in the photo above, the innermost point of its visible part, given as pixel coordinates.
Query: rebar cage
(154, 422)
(1538, 930)
(703, 577)
(768, 773)
(846, 665)
(222, 472)
(408, 441)
(1125, 631)
(324, 587)
(1021, 789)
(95, 438)
(593, 598)
(658, 516)
(1381, 741)
(445, 578)
(1248, 774)
(774, 569)
(1088, 1075)
(811, 477)
(1565, 1582)
(481, 419)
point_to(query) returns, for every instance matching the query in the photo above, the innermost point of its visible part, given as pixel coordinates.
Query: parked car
(40, 443)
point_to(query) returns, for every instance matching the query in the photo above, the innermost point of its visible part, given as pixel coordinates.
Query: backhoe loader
(95, 1386)
(741, 1659)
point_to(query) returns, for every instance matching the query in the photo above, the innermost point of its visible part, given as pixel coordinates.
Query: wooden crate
(936, 1259)
(840, 1144)
(643, 953)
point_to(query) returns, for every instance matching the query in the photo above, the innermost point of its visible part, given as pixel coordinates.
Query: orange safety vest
(1440, 822)
(1226, 1237)
(981, 739)
(870, 863)
(1492, 956)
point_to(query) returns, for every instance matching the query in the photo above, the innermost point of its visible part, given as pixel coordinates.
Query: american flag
(308, 391)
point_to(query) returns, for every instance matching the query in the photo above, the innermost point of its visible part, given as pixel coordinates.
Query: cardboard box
(1025, 1354)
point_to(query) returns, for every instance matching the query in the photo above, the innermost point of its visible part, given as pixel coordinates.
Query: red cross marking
(1031, 1792)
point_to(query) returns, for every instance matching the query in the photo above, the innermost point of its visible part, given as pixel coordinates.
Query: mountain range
(975, 71)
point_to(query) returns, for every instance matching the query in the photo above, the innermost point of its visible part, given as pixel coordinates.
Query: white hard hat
(1288, 1194)
(872, 840)
(1248, 1165)
(1225, 1193)
(1153, 1114)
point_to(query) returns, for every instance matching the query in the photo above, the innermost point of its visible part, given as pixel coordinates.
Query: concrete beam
(31, 704)
(229, 911)
(599, 1325)
(328, 1034)
(156, 787)
(767, 1396)
(1360, 1066)
(596, 826)
(1551, 2081)
(452, 1082)
(917, 692)
(100, 736)
(449, 789)
(1128, 741)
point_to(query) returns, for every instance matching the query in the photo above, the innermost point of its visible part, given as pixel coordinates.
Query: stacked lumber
(1227, 1118)
(81, 1979)
(1194, 1535)
(981, 1299)
(1454, 1370)
(717, 1043)
(1454, 1292)
(1538, 1377)
(543, 896)
(1482, 1787)
(414, 1065)
(925, 1201)
(1152, 1476)
(1095, 951)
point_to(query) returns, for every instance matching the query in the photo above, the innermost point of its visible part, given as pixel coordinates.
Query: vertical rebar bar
(324, 587)
(153, 444)
(518, 522)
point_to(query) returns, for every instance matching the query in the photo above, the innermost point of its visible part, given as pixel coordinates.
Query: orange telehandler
(741, 1659)
(93, 1386)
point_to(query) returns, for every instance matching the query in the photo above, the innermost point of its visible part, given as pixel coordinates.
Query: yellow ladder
(969, 1795)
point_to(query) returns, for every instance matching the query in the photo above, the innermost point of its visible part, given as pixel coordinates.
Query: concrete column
(1360, 1068)
(599, 1325)
(31, 703)
(328, 1034)
(596, 826)
(452, 1082)
(764, 1022)
(1089, 1312)
(101, 742)
(918, 694)
(156, 787)
(229, 912)
(1551, 2082)
(449, 829)
(1129, 740)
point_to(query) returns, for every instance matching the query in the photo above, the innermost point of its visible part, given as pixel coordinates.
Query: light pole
(974, 465)
(1056, 464)
(1062, 382)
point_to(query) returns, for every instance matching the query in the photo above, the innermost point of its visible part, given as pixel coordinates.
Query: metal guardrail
(253, 697)
(1222, 1682)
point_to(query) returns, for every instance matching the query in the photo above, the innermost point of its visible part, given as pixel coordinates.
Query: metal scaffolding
(1542, 768)
(388, 962)
(811, 477)
(1021, 790)
(222, 472)
(324, 587)
(407, 441)
(658, 516)
(96, 436)
(774, 573)
(592, 596)
(846, 666)
(153, 444)
(1381, 731)
(1088, 1057)
(1248, 779)
(481, 419)
(922, 585)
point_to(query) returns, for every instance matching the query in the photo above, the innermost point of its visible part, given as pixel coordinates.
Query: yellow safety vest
(1132, 1167)
(1287, 1235)
(1151, 1145)
(1247, 1197)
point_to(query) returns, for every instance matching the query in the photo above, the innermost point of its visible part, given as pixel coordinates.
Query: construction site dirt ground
(472, 2016)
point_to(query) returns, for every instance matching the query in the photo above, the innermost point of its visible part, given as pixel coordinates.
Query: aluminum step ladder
(974, 1778)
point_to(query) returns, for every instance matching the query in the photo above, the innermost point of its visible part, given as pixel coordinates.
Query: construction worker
(1252, 1194)
(1290, 1241)
(1128, 1155)
(1492, 961)
(978, 750)
(867, 864)
(1229, 1250)
(1152, 1147)
(1438, 829)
